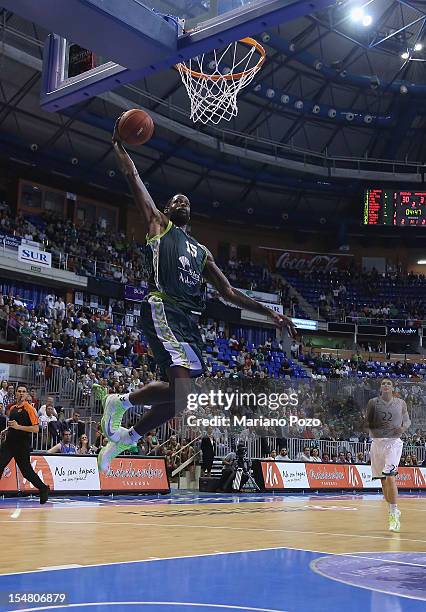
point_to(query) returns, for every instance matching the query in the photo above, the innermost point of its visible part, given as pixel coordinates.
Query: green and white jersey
(177, 268)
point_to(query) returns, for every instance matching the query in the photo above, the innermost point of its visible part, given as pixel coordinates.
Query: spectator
(3, 390)
(9, 398)
(64, 447)
(283, 455)
(341, 458)
(83, 447)
(360, 459)
(59, 310)
(49, 401)
(153, 444)
(315, 455)
(348, 457)
(76, 426)
(305, 455)
(47, 417)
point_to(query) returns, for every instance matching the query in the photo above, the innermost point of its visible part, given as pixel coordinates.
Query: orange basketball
(135, 127)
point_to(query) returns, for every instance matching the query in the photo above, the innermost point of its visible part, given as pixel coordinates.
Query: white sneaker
(113, 449)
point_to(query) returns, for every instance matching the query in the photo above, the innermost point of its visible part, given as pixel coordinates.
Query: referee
(16, 441)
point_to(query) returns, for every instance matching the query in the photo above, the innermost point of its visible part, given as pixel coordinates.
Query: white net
(213, 81)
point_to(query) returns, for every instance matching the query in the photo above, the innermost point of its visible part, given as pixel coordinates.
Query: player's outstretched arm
(155, 220)
(216, 277)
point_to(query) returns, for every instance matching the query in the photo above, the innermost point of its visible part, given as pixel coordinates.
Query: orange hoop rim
(229, 77)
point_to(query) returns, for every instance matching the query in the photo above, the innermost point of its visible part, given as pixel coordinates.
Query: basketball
(135, 127)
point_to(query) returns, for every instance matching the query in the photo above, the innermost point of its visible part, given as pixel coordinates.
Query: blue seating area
(226, 360)
(333, 368)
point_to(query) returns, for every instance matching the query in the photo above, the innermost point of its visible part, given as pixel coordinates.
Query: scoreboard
(401, 208)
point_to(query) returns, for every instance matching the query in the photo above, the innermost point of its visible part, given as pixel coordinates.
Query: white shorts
(384, 453)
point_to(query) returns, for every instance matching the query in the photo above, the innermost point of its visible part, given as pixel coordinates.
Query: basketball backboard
(97, 45)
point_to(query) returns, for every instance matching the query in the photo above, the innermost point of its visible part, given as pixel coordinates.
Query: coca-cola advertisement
(305, 261)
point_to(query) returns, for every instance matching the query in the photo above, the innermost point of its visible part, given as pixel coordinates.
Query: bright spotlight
(405, 55)
(418, 47)
(357, 14)
(367, 20)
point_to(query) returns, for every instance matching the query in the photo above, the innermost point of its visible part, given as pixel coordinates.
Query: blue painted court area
(264, 581)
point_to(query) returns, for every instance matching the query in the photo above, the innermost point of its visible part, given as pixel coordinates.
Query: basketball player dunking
(180, 266)
(387, 419)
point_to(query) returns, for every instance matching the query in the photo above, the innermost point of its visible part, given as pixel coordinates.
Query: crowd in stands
(328, 367)
(87, 348)
(94, 250)
(360, 295)
(347, 293)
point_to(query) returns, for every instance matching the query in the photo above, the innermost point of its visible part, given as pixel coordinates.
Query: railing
(258, 448)
(188, 461)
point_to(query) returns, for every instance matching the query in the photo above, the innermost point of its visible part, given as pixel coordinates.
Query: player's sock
(124, 399)
(393, 508)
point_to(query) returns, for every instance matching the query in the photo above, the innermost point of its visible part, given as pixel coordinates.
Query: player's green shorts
(172, 334)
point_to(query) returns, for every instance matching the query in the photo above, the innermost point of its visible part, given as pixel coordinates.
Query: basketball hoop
(214, 80)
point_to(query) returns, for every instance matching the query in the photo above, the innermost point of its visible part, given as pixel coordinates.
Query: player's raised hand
(115, 135)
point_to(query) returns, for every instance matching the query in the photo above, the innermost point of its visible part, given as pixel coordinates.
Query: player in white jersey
(387, 419)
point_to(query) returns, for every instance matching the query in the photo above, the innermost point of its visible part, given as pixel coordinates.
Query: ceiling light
(270, 93)
(332, 113)
(367, 20)
(418, 47)
(285, 99)
(357, 13)
(422, 262)
(405, 55)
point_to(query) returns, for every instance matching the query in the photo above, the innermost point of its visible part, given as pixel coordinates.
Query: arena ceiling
(331, 87)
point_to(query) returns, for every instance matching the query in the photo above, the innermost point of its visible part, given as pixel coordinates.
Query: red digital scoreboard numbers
(398, 208)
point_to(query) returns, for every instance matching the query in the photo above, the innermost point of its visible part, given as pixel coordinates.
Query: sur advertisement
(282, 475)
(34, 255)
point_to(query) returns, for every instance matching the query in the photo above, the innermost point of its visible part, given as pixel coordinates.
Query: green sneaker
(113, 412)
(394, 521)
(112, 450)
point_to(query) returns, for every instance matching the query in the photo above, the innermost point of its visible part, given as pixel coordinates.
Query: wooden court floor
(85, 533)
